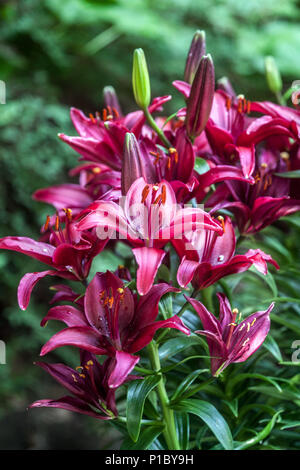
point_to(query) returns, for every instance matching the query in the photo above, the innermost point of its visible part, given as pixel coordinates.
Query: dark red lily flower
(112, 322)
(228, 340)
(69, 253)
(210, 257)
(90, 385)
(259, 205)
(101, 138)
(149, 219)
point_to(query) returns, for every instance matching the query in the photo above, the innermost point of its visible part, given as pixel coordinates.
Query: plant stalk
(157, 129)
(169, 432)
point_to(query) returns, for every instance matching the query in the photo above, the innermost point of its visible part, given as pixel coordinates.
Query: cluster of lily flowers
(138, 183)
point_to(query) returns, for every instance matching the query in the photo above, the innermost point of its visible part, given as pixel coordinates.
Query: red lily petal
(182, 87)
(68, 314)
(186, 271)
(147, 308)
(149, 260)
(64, 196)
(69, 404)
(84, 337)
(38, 250)
(145, 335)
(124, 364)
(26, 285)
(260, 260)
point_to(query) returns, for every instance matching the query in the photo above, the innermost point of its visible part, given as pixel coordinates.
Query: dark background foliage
(56, 54)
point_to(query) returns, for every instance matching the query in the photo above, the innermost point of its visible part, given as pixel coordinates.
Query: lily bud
(111, 100)
(196, 52)
(140, 79)
(273, 75)
(132, 162)
(201, 97)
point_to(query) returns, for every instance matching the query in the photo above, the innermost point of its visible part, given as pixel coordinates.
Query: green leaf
(289, 174)
(201, 165)
(212, 418)
(175, 345)
(136, 396)
(241, 377)
(187, 381)
(273, 348)
(259, 436)
(147, 436)
(182, 423)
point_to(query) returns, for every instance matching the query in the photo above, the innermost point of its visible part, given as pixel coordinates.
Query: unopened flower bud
(201, 97)
(196, 52)
(140, 79)
(132, 162)
(273, 75)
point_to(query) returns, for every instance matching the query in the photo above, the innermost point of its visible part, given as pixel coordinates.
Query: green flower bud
(273, 75)
(140, 79)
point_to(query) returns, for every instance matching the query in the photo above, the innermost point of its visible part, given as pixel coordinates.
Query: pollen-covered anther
(46, 226)
(79, 368)
(264, 165)
(56, 226)
(220, 218)
(228, 103)
(82, 375)
(235, 311)
(145, 193)
(121, 291)
(96, 170)
(174, 153)
(68, 213)
(285, 156)
(92, 118)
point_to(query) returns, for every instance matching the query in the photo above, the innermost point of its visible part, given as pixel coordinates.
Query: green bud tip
(273, 75)
(140, 79)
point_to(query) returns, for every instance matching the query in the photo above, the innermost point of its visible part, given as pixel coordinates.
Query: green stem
(169, 432)
(156, 128)
(207, 298)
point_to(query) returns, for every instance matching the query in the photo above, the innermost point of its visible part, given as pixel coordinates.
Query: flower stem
(169, 432)
(156, 128)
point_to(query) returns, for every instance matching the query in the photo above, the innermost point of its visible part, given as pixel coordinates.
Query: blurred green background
(60, 53)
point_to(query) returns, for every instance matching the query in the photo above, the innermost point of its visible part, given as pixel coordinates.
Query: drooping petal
(70, 404)
(186, 271)
(68, 314)
(38, 250)
(124, 364)
(260, 260)
(64, 196)
(26, 285)
(145, 335)
(148, 260)
(83, 337)
(209, 321)
(147, 308)
(182, 87)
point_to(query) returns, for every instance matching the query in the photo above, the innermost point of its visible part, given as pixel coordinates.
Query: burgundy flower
(228, 340)
(259, 205)
(149, 219)
(112, 321)
(208, 257)
(69, 253)
(90, 385)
